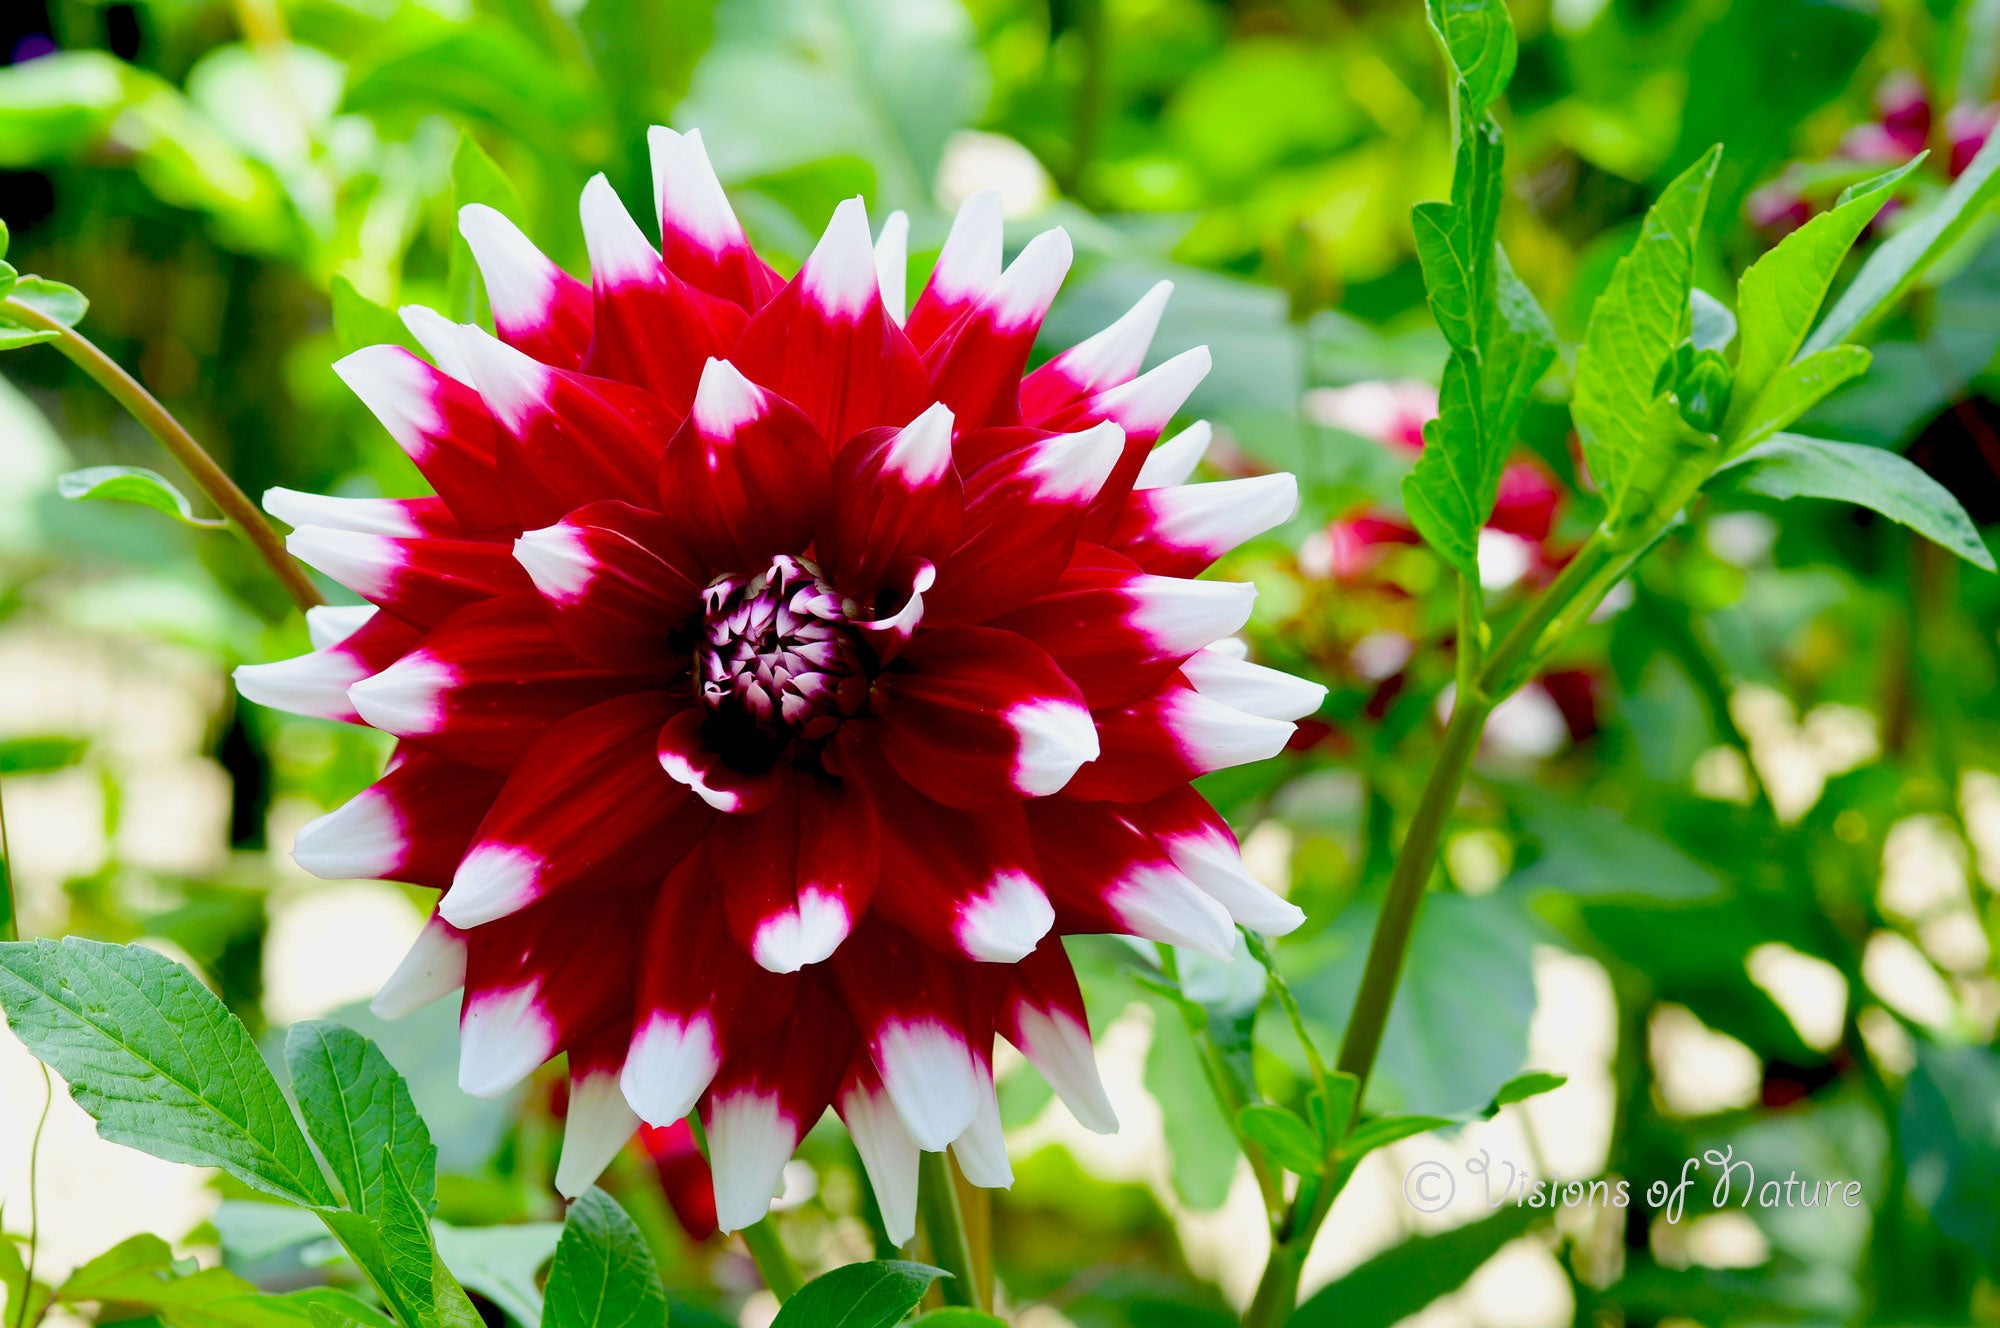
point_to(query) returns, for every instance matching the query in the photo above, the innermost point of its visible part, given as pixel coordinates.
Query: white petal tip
(1056, 738)
(597, 1125)
(493, 881)
(670, 1065)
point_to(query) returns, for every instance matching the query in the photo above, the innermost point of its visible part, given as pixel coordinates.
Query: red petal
(1118, 632)
(615, 583)
(413, 824)
(587, 807)
(799, 875)
(484, 685)
(538, 308)
(428, 515)
(1111, 357)
(826, 343)
(1168, 738)
(316, 684)
(974, 715)
(912, 1009)
(419, 580)
(1042, 1014)
(1106, 874)
(965, 885)
(1023, 510)
(570, 439)
(700, 237)
(686, 755)
(653, 329)
(1180, 531)
(745, 477)
(441, 423)
(966, 269)
(975, 367)
(896, 498)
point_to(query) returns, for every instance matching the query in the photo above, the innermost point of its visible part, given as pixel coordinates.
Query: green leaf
(1386, 1130)
(1950, 1133)
(358, 321)
(500, 1263)
(475, 178)
(1285, 1139)
(13, 338)
(1897, 263)
(394, 1247)
(1796, 389)
(861, 1295)
(51, 299)
(330, 1307)
(1714, 324)
(1781, 293)
(1623, 417)
(6, 238)
(1477, 38)
(1794, 466)
(133, 484)
(40, 754)
(1522, 1087)
(358, 1110)
(1332, 1112)
(8, 276)
(957, 1316)
(1501, 344)
(158, 1060)
(1401, 1280)
(142, 1273)
(603, 1276)
(1594, 853)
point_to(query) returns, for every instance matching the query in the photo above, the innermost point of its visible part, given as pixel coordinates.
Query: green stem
(1222, 1087)
(780, 1271)
(34, 1200)
(937, 1200)
(10, 913)
(144, 407)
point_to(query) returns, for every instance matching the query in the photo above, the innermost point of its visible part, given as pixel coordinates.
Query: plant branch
(34, 1201)
(144, 407)
(780, 1271)
(937, 1200)
(10, 910)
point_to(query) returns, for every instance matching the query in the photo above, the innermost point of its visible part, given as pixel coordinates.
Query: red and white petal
(690, 759)
(598, 1121)
(372, 516)
(764, 1100)
(1118, 632)
(433, 967)
(538, 308)
(746, 476)
(687, 1016)
(888, 1154)
(1180, 531)
(1170, 737)
(441, 423)
(1143, 408)
(315, 684)
(330, 624)
(892, 263)
(615, 584)
(798, 876)
(982, 1149)
(1103, 361)
(975, 366)
(413, 824)
(910, 1007)
(438, 336)
(1041, 1013)
(700, 237)
(974, 715)
(1251, 688)
(1107, 874)
(1173, 461)
(484, 686)
(653, 330)
(543, 980)
(826, 343)
(570, 439)
(901, 600)
(1023, 511)
(421, 580)
(1201, 844)
(966, 268)
(964, 884)
(896, 497)
(587, 807)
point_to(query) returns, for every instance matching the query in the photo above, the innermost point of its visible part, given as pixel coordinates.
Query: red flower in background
(684, 1176)
(777, 679)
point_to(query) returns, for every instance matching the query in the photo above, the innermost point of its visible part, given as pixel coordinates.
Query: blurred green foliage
(1741, 755)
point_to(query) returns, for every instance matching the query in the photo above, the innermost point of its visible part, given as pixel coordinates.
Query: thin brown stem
(144, 407)
(34, 1200)
(10, 910)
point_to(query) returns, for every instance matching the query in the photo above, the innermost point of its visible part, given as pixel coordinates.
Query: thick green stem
(780, 1271)
(128, 392)
(937, 1201)
(10, 912)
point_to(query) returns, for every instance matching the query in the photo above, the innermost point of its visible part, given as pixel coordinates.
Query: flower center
(776, 651)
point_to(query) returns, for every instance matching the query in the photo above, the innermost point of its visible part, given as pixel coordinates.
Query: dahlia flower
(778, 678)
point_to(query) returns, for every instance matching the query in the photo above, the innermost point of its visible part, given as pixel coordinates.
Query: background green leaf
(358, 1110)
(132, 484)
(603, 1276)
(860, 1295)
